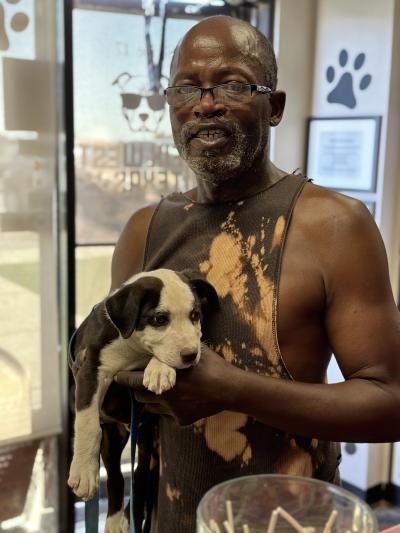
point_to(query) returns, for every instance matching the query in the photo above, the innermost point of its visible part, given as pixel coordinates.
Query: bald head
(254, 46)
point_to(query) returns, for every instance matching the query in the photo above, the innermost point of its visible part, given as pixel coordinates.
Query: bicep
(361, 319)
(129, 251)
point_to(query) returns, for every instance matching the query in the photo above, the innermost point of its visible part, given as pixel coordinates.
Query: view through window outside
(124, 153)
(123, 148)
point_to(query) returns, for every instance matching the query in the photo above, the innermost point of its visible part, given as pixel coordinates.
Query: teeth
(210, 135)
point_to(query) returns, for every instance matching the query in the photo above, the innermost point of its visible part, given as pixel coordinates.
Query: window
(29, 352)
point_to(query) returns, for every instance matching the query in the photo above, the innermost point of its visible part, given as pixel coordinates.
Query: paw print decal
(343, 92)
(18, 22)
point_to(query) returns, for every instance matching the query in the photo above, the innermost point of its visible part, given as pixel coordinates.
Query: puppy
(152, 322)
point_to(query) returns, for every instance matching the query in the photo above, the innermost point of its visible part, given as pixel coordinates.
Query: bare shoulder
(130, 248)
(341, 233)
(332, 218)
(323, 206)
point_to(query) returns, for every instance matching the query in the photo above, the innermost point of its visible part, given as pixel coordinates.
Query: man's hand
(200, 391)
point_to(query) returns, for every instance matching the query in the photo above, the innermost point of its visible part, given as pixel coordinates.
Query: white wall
(364, 26)
(390, 213)
(357, 26)
(294, 39)
(396, 464)
(309, 35)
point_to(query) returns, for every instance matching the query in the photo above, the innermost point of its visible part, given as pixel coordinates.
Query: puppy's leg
(84, 471)
(159, 377)
(115, 437)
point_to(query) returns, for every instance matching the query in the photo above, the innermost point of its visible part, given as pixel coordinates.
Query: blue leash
(136, 409)
(71, 360)
(92, 514)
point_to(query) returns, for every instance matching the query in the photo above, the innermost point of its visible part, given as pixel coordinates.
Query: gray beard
(215, 168)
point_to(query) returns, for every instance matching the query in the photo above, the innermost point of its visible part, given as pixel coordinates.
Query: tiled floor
(386, 514)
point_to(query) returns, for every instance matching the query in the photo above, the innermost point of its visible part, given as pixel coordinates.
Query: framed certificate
(342, 153)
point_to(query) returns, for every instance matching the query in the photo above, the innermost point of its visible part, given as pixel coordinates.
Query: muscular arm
(363, 327)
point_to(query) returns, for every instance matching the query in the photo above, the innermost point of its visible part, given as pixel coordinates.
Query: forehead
(212, 47)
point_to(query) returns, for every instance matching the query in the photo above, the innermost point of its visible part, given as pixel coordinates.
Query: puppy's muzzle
(188, 356)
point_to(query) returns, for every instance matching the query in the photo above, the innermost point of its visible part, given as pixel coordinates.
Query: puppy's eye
(194, 315)
(159, 320)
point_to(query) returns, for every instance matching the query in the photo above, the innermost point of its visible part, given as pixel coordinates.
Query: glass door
(30, 379)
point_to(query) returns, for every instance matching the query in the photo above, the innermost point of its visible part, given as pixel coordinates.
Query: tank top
(238, 247)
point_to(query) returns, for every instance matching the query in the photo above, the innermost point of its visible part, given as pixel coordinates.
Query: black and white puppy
(153, 323)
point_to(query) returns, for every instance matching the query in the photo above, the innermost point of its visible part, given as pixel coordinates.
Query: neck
(237, 187)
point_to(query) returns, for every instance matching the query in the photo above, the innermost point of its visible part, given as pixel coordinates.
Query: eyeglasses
(228, 93)
(132, 101)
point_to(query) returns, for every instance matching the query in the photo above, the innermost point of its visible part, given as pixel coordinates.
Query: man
(290, 294)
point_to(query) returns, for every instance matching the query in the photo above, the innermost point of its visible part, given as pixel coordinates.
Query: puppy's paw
(159, 377)
(117, 523)
(84, 478)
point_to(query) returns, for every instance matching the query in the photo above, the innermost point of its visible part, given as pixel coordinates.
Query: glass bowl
(310, 504)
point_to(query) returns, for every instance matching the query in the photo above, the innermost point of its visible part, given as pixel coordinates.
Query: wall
(390, 214)
(363, 26)
(309, 36)
(294, 30)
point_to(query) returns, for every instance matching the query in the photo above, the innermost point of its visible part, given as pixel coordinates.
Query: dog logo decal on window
(142, 108)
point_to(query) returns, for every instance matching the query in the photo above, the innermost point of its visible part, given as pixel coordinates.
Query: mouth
(206, 137)
(211, 135)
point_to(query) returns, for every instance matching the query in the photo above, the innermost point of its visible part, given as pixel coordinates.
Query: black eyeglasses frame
(254, 87)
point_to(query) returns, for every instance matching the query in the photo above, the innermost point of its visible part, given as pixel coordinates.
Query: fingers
(186, 421)
(145, 396)
(132, 379)
(157, 409)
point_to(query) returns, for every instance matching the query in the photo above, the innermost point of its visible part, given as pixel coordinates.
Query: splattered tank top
(238, 247)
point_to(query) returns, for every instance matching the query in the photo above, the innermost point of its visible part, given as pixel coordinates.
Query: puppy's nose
(188, 356)
(144, 116)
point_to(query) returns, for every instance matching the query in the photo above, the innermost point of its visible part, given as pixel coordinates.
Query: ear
(123, 308)
(205, 291)
(277, 101)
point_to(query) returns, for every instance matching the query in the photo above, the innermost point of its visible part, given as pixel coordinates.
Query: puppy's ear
(123, 308)
(207, 294)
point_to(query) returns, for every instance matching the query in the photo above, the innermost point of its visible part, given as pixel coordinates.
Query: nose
(207, 107)
(188, 355)
(143, 116)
